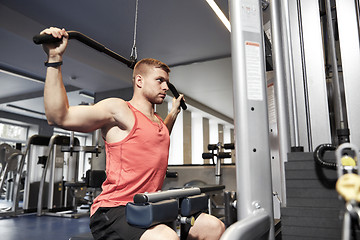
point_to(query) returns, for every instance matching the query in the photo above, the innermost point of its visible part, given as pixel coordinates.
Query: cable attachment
(133, 55)
(319, 155)
(347, 157)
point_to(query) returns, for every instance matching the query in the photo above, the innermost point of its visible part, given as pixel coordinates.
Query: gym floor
(42, 228)
(30, 226)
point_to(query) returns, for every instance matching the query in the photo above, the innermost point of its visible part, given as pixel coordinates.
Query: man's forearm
(55, 98)
(170, 119)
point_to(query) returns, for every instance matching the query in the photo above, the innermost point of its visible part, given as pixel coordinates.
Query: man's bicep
(86, 118)
(90, 118)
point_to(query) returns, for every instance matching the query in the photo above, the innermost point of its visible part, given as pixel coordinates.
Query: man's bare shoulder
(114, 104)
(119, 111)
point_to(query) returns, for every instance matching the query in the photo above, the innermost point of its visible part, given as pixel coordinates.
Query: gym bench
(171, 207)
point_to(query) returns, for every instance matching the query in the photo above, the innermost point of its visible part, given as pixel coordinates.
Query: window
(13, 133)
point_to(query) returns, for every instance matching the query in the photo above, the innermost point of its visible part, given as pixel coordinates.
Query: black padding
(211, 188)
(148, 214)
(212, 147)
(224, 155)
(171, 174)
(95, 178)
(40, 140)
(207, 155)
(194, 204)
(65, 141)
(229, 146)
(141, 198)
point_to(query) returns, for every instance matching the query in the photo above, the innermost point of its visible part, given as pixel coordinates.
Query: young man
(136, 141)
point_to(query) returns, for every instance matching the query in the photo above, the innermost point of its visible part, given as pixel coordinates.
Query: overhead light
(22, 76)
(219, 13)
(87, 95)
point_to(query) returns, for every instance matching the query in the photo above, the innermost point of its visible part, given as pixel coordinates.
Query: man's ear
(139, 80)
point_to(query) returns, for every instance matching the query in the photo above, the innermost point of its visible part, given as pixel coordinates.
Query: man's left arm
(175, 110)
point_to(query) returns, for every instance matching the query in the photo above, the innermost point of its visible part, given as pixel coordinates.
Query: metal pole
(346, 231)
(349, 37)
(254, 226)
(335, 73)
(290, 65)
(303, 65)
(357, 10)
(280, 92)
(43, 176)
(253, 164)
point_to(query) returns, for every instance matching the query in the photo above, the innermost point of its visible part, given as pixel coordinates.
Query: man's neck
(145, 107)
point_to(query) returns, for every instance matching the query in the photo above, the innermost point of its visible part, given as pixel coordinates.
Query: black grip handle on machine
(224, 155)
(229, 146)
(221, 155)
(47, 38)
(225, 146)
(207, 155)
(176, 95)
(212, 147)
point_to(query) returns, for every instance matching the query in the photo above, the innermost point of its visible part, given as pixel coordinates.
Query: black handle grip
(229, 146)
(176, 95)
(171, 174)
(45, 38)
(207, 155)
(212, 147)
(224, 155)
(140, 198)
(48, 38)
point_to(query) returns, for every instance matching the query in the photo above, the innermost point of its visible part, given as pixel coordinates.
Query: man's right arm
(75, 118)
(55, 98)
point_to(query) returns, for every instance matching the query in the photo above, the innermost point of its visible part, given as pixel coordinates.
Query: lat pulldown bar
(46, 38)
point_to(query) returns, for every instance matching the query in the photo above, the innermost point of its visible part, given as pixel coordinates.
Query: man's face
(155, 84)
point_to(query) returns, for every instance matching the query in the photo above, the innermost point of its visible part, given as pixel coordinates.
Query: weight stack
(313, 209)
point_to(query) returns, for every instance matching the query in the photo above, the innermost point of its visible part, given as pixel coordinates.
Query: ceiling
(177, 32)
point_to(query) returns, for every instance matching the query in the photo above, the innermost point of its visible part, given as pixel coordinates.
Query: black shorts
(110, 224)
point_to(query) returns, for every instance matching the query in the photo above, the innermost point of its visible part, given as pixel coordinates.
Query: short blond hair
(142, 66)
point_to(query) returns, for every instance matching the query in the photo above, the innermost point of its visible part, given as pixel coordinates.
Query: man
(136, 141)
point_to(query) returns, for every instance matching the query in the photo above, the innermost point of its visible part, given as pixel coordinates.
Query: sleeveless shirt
(136, 164)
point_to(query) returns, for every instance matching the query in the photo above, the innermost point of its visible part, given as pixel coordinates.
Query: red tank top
(137, 164)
